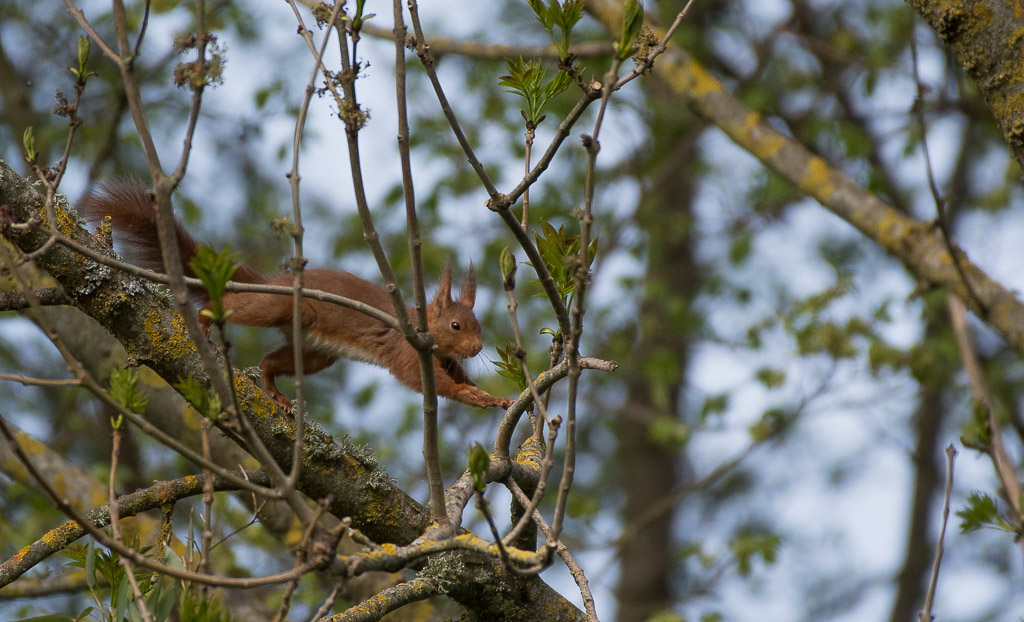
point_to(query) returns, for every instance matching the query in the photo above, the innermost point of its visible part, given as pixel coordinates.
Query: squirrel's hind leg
(282, 362)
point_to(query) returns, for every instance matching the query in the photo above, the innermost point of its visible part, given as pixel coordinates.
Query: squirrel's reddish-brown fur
(331, 331)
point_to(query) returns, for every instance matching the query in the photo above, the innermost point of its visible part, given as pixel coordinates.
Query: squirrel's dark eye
(455, 326)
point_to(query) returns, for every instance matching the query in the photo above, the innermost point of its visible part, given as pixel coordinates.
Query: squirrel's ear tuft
(467, 294)
(443, 297)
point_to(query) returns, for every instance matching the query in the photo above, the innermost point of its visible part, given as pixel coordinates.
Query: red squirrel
(331, 331)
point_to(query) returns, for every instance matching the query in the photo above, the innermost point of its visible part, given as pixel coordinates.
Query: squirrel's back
(133, 218)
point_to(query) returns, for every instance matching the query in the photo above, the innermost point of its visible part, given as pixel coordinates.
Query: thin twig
(574, 569)
(115, 524)
(431, 442)
(531, 132)
(926, 613)
(161, 495)
(207, 537)
(503, 439)
(41, 382)
(979, 389)
(128, 552)
(298, 263)
(328, 603)
(546, 465)
(942, 217)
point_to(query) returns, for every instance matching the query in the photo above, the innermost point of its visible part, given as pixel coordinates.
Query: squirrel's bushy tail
(134, 221)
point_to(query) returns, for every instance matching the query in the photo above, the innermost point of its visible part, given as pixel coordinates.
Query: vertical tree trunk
(931, 412)
(657, 373)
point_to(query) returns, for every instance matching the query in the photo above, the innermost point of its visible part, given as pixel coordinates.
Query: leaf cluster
(510, 366)
(124, 388)
(526, 79)
(559, 251)
(162, 594)
(982, 512)
(561, 15)
(748, 546)
(93, 560)
(214, 270)
(479, 461)
(204, 401)
(82, 72)
(632, 20)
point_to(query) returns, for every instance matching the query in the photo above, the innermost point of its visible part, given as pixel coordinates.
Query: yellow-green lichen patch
(817, 181)
(761, 141)
(30, 445)
(256, 404)
(67, 225)
(59, 536)
(559, 609)
(530, 455)
(370, 609)
(898, 234)
(1014, 38)
(173, 341)
(889, 231)
(20, 555)
(189, 481)
(955, 23)
(689, 76)
(380, 512)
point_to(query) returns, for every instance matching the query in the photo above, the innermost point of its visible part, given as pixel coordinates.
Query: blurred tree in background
(772, 441)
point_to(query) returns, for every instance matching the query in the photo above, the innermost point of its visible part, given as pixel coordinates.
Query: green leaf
(28, 141)
(669, 432)
(740, 247)
(714, 405)
(479, 461)
(82, 73)
(124, 388)
(507, 264)
(509, 366)
(214, 270)
(770, 377)
(975, 434)
(981, 511)
(747, 546)
(120, 598)
(559, 83)
(561, 15)
(541, 12)
(773, 421)
(206, 402)
(161, 599)
(526, 79)
(90, 564)
(632, 20)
